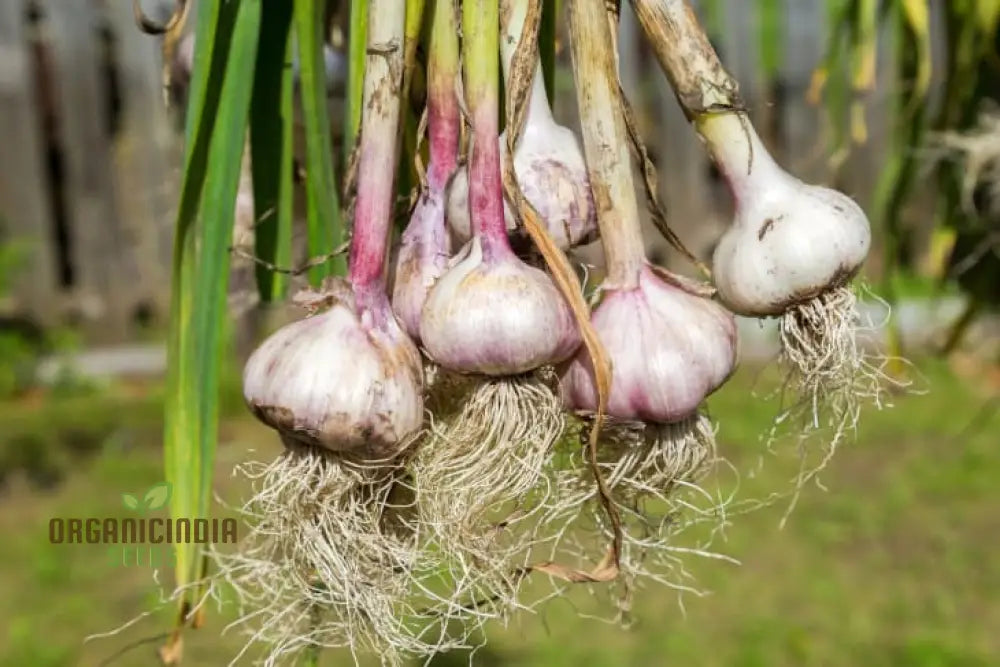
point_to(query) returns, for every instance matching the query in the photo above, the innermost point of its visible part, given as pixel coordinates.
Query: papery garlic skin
(550, 169)
(499, 317)
(669, 349)
(548, 163)
(422, 259)
(347, 379)
(790, 241)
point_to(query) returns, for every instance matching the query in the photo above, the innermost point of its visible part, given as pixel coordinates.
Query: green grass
(893, 565)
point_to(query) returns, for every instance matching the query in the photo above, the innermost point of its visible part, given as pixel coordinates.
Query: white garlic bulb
(548, 163)
(496, 316)
(346, 379)
(669, 349)
(790, 241)
(549, 167)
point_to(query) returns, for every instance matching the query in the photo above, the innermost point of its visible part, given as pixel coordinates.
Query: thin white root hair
(479, 484)
(330, 560)
(831, 371)
(653, 472)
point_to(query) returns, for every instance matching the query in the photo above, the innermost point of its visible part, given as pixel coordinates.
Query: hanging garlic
(495, 315)
(425, 246)
(790, 242)
(493, 324)
(548, 161)
(346, 379)
(670, 346)
(792, 248)
(344, 389)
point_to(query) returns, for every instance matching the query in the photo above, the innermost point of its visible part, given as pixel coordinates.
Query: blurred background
(891, 563)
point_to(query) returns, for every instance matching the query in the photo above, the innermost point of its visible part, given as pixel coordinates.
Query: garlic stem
(707, 93)
(514, 14)
(443, 118)
(605, 142)
(379, 125)
(698, 77)
(480, 37)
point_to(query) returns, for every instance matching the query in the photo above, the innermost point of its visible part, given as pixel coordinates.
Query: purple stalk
(376, 168)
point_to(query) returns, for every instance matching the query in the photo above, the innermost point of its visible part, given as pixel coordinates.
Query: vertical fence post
(803, 142)
(143, 154)
(105, 270)
(25, 214)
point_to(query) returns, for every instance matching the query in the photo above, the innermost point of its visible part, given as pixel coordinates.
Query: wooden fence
(87, 164)
(89, 155)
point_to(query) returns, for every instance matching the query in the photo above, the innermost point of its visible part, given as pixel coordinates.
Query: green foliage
(355, 73)
(969, 75)
(325, 228)
(271, 125)
(770, 26)
(217, 119)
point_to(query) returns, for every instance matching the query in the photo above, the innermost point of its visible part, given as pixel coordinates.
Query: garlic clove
(498, 317)
(669, 349)
(423, 257)
(346, 379)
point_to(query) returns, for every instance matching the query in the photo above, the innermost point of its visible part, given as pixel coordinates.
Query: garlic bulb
(553, 176)
(496, 316)
(548, 161)
(670, 349)
(346, 379)
(790, 241)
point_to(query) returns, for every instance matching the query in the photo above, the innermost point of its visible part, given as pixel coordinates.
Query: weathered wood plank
(803, 143)
(25, 213)
(146, 153)
(104, 269)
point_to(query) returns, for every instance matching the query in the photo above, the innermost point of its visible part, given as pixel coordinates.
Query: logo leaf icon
(130, 501)
(157, 496)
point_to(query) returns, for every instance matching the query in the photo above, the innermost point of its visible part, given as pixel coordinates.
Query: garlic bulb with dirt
(344, 388)
(296, 381)
(425, 245)
(494, 325)
(669, 344)
(792, 249)
(548, 161)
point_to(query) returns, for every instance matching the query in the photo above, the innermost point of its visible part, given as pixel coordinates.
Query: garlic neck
(739, 154)
(443, 128)
(485, 186)
(443, 117)
(514, 14)
(379, 124)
